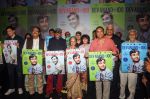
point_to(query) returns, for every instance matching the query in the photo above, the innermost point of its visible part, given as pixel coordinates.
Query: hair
(99, 59)
(31, 56)
(78, 32)
(75, 55)
(131, 30)
(71, 38)
(54, 56)
(41, 17)
(73, 13)
(10, 27)
(36, 27)
(142, 15)
(66, 33)
(134, 51)
(85, 36)
(52, 30)
(27, 35)
(107, 12)
(100, 28)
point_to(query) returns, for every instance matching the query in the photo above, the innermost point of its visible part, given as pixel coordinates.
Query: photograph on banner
(108, 13)
(133, 55)
(54, 62)
(1, 56)
(10, 51)
(49, 2)
(61, 2)
(32, 61)
(138, 17)
(43, 16)
(76, 62)
(100, 66)
(15, 17)
(73, 18)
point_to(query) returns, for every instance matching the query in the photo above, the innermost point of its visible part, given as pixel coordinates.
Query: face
(135, 57)
(101, 64)
(78, 36)
(132, 36)
(33, 60)
(57, 35)
(73, 42)
(9, 48)
(10, 32)
(77, 59)
(106, 19)
(67, 34)
(110, 30)
(51, 33)
(73, 21)
(144, 23)
(85, 40)
(43, 24)
(35, 32)
(99, 33)
(55, 60)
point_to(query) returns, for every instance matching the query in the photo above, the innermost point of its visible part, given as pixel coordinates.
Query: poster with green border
(16, 17)
(26, 62)
(105, 13)
(93, 66)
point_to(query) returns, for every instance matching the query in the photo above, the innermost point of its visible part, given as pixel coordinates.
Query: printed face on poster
(32, 61)
(73, 18)
(100, 66)
(76, 62)
(10, 51)
(133, 55)
(54, 62)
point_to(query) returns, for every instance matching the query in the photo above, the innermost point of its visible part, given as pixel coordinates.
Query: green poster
(32, 61)
(16, 17)
(106, 13)
(100, 65)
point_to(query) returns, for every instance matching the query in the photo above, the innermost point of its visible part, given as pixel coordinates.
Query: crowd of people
(77, 85)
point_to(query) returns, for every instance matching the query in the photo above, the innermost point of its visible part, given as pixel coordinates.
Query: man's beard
(136, 61)
(78, 63)
(102, 69)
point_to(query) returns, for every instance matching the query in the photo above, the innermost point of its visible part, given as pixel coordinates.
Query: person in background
(129, 78)
(85, 43)
(56, 43)
(102, 43)
(27, 35)
(35, 43)
(67, 37)
(12, 67)
(78, 37)
(73, 83)
(110, 33)
(146, 75)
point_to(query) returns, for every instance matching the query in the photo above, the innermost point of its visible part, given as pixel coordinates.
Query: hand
(144, 80)
(147, 65)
